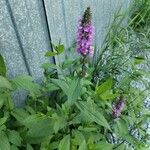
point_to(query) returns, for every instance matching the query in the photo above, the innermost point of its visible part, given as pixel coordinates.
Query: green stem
(119, 144)
(83, 72)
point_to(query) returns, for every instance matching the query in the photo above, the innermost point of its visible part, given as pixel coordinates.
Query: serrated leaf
(50, 54)
(52, 87)
(91, 113)
(9, 102)
(121, 127)
(35, 140)
(103, 145)
(29, 147)
(1, 102)
(38, 125)
(4, 143)
(26, 82)
(45, 143)
(14, 138)
(107, 85)
(4, 83)
(62, 84)
(20, 115)
(73, 92)
(3, 120)
(2, 66)
(108, 95)
(13, 147)
(48, 65)
(78, 137)
(59, 49)
(83, 145)
(64, 143)
(59, 122)
(3, 98)
(2, 128)
(67, 64)
(53, 145)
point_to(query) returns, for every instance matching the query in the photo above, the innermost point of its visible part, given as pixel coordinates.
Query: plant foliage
(72, 110)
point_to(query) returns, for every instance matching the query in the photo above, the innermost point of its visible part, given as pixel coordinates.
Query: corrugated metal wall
(24, 36)
(28, 26)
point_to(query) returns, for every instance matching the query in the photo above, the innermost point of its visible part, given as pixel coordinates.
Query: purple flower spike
(117, 108)
(85, 34)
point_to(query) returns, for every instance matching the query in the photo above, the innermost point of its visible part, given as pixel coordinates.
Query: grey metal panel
(56, 23)
(72, 14)
(11, 49)
(31, 26)
(9, 46)
(24, 39)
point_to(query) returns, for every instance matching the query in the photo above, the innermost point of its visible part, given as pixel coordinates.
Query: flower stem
(83, 72)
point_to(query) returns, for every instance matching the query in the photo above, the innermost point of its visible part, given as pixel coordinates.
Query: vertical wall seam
(65, 24)
(48, 30)
(17, 35)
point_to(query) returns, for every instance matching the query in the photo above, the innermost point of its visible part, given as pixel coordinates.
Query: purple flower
(117, 108)
(85, 34)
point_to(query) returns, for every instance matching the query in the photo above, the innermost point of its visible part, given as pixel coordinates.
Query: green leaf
(107, 85)
(35, 140)
(59, 122)
(90, 112)
(4, 143)
(46, 143)
(25, 82)
(121, 127)
(2, 67)
(39, 125)
(64, 143)
(62, 84)
(67, 63)
(60, 49)
(120, 147)
(83, 145)
(108, 95)
(13, 147)
(3, 120)
(103, 145)
(138, 60)
(2, 128)
(50, 54)
(53, 145)
(4, 83)
(29, 147)
(1, 102)
(130, 139)
(52, 87)
(14, 138)
(57, 50)
(48, 65)
(9, 102)
(74, 91)
(145, 73)
(20, 115)
(78, 137)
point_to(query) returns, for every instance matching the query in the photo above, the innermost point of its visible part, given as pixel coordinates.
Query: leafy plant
(91, 106)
